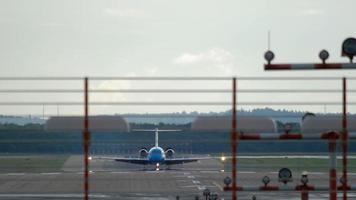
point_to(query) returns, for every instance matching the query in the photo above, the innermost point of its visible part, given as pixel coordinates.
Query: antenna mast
(269, 40)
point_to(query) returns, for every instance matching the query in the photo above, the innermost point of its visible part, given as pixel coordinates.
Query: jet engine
(169, 152)
(143, 152)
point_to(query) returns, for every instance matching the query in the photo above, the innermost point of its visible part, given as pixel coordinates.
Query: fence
(234, 94)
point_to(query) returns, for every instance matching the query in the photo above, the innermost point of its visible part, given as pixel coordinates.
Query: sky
(169, 38)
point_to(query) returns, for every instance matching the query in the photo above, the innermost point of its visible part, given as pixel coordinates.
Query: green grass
(295, 164)
(31, 164)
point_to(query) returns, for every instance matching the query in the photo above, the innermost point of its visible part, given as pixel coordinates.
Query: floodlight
(269, 56)
(324, 55)
(227, 181)
(285, 175)
(266, 180)
(304, 178)
(349, 48)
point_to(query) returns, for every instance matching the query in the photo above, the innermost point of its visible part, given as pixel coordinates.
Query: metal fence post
(86, 140)
(332, 173)
(234, 140)
(344, 138)
(305, 194)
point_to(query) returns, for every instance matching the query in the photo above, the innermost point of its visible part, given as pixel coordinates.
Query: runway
(113, 180)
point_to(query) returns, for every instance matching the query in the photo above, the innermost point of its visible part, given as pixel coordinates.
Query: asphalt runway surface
(113, 180)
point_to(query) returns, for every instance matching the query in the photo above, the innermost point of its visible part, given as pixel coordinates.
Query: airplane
(156, 155)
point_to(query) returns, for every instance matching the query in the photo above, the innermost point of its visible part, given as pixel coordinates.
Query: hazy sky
(168, 38)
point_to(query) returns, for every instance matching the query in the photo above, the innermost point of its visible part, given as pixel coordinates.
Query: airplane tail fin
(156, 130)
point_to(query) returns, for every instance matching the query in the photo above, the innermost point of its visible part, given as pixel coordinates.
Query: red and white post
(345, 137)
(234, 140)
(332, 173)
(86, 140)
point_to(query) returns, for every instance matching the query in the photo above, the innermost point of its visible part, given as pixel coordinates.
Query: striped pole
(344, 138)
(305, 194)
(332, 173)
(86, 138)
(311, 66)
(234, 139)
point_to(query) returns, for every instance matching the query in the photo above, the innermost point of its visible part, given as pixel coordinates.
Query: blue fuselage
(156, 155)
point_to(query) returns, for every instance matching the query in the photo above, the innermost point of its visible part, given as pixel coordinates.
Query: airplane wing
(172, 161)
(144, 161)
(180, 161)
(141, 161)
(133, 160)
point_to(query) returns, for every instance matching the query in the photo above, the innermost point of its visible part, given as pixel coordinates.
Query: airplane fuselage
(156, 155)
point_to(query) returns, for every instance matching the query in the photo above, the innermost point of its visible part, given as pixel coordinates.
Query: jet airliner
(156, 155)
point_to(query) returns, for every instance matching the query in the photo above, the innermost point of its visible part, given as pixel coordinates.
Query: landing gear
(157, 167)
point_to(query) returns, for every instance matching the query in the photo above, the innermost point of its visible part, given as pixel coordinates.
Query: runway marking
(15, 174)
(218, 186)
(196, 182)
(90, 172)
(182, 180)
(50, 173)
(188, 186)
(316, 173)
(153, 172)
(212, 172)
(179, 176)
(201, 187)
(119, 172)
(191, 176)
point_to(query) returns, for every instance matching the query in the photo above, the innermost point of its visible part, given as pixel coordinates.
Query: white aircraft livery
(156, 155)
